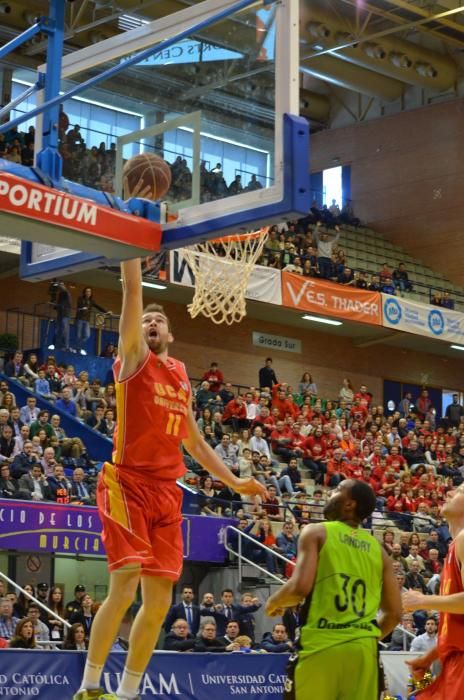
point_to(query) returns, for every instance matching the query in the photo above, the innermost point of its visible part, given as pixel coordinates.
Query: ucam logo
(393, 312)
(436, 322)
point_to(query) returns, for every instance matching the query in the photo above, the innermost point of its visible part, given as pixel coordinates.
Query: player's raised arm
(199, 449)
(451, 603)
(302, 581)
(390, 603)
(132, 347)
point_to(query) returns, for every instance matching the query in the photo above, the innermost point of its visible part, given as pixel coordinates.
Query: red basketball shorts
(450, 683)
(141, 518)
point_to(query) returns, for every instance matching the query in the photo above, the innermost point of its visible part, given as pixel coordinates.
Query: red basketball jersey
(451, 629)
(152, 406)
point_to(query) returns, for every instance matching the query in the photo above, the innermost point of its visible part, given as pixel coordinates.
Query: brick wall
(407, 174)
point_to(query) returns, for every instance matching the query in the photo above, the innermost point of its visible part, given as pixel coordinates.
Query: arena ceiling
(359, 58)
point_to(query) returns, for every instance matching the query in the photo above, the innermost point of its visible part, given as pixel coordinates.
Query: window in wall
(332, 186)
(447, 398)
(98, 122)
(235, 158)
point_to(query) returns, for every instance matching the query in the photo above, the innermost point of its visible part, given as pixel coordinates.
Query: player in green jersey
(344, 577)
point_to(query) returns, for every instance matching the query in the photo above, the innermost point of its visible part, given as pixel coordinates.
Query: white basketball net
(222, 270)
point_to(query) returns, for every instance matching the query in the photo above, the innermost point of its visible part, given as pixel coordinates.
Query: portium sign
(330, 299)
(50, 206)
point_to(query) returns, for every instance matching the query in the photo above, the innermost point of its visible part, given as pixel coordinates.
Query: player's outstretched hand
(413, 600)
(138, 191)
(251, 487)
(273, 610)
(418, 668)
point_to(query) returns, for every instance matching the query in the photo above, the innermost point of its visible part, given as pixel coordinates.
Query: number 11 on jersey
(173, 425)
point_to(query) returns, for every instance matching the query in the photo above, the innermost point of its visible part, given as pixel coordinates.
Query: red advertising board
(33, 201)
(331, 299)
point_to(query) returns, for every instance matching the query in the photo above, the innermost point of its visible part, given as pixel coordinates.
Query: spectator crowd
(297, 442)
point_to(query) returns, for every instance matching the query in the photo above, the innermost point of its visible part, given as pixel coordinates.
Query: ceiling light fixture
(426, 70)
(317, 29)
(151, 285)
(400, 60)
(457, 347)
(374, 51)
(320, 319)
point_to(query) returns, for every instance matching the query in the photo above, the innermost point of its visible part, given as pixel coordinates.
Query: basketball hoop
(222, 268)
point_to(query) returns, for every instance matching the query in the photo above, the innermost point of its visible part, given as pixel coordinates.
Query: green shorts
(347, 671)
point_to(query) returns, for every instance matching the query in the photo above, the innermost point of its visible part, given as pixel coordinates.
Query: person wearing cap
(74, 606)
(42, 596)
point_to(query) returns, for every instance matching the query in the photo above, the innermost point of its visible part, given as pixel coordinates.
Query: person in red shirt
(396, 460)
(369, 479)
(235, 414)
(336, 470)
(283, 405)
(363, 394)
(359, 411)
(355, 468)
(281, 441)
(297, 440)
(138, 499)
(265, 420)
(450, 604)
(215, 378)
(423, 404)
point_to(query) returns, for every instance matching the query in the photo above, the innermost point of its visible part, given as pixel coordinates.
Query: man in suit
(185, 610)
(15, 421)
(228, 610)
(80, 491)
(15, 367)
(35, 484)
(291, 621)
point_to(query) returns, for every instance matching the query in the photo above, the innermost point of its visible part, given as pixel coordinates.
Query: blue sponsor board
(56, 675)
(422, 319)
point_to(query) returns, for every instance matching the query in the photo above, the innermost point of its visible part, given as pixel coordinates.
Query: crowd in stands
(95, 166)
(299, 444)
(309, 247)
(442, 299)
(223, 625)
(38, 460)
(295, 441)
(24, 624)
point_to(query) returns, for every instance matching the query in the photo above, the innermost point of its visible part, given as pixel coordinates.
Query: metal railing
(242, 558)
(48, 610)
(26, 323)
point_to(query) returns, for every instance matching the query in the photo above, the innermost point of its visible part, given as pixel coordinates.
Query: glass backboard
(210, 98)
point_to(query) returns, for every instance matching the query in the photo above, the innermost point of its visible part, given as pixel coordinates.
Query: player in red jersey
(138, 499)
(450, 604)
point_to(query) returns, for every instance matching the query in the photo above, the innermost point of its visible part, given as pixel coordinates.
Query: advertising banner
(264, 284)
(422, 319)
(55, 675)
(331, 299)
(69, 529)
(33, 201)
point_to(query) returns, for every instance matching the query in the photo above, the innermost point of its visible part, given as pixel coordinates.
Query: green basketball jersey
(346, 596)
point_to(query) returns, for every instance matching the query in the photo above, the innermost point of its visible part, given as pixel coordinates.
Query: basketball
(147, 176)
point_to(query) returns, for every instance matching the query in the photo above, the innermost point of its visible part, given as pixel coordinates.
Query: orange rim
(239, 237)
